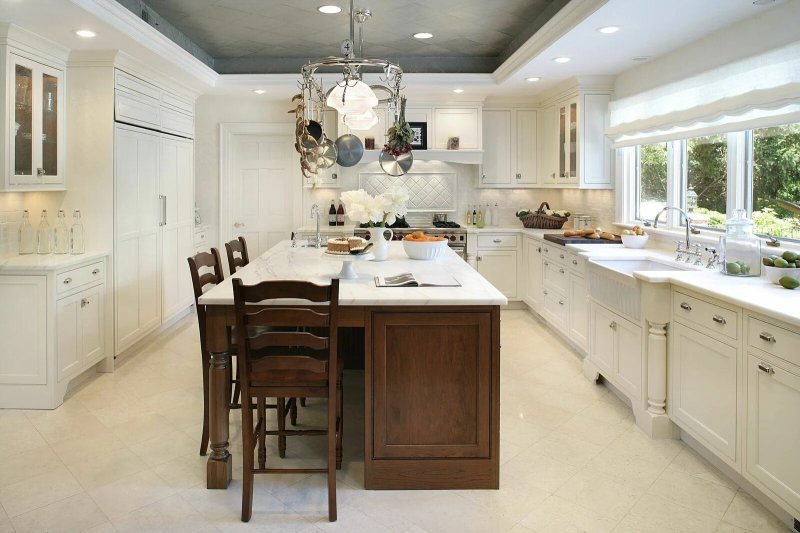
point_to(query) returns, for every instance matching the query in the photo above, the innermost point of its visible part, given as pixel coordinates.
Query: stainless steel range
(454, 233)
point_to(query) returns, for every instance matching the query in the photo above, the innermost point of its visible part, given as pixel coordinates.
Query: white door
(628, 357)
(496, 147)
(526, 146)
(579, 310)
(68, 332)
(176, 187)
(499, 267)
(263, 191)
(137, 235)
(92, 320)
(533, 262)
(602, 338)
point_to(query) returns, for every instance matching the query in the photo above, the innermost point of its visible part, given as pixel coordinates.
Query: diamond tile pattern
(426, 192)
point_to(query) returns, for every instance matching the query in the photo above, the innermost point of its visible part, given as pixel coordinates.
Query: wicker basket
(539, 220)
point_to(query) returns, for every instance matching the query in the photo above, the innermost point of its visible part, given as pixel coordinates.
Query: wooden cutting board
(559, 238)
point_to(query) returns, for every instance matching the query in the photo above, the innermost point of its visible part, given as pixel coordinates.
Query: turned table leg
(220, 466)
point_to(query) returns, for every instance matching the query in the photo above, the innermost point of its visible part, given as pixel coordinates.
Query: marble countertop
(43, 263)
(309, 264)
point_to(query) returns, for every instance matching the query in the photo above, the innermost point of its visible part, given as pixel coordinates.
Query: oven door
(461, 251)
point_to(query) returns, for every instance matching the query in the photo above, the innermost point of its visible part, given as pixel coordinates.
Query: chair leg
(293, 410)
(281, 427)
(339, 422)
(236, 387)
(262, 425)
(247, 461)
(302, 402)
(206, 363)
(331, 462)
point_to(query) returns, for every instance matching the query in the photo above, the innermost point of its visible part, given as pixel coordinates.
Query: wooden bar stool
(201, 283)
(235, 262)
(286, 364)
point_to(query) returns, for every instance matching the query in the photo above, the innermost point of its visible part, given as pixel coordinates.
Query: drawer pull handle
(497, 241)
(764, 367)
(764, 336)
(96, 271)
(561, 270)
(561, 302)
(85, 302)
(539, 250)
(719, 319)
(613, 325)
(546, 263)
(67, 281)
(574, 261)
(685, 306)
(545, 292)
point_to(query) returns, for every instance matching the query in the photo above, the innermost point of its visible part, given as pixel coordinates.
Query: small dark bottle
(474, 217)
(332, 215)
(340, 215)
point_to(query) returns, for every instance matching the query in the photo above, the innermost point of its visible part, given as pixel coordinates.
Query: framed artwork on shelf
(420, 130)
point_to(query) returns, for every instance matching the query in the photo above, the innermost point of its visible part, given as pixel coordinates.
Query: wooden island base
(432, 396)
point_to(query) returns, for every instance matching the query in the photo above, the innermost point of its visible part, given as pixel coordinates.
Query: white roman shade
(756, 92)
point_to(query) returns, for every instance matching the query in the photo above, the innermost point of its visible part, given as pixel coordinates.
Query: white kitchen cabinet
(547, 149)
(461, 122)
(773, 428)
(567, 143)
(499, 267)
(80, 331)
(140, 103)
(555, 309)
(615, 347)
(579, 311)
(532, 271)
(705, 390)
(23, 330)
(509, 148)
(33, 113)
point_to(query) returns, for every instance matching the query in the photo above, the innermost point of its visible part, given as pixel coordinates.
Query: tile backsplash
(11, 207)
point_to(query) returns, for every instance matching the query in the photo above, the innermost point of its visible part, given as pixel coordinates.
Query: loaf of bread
(608, 236)
(572, 233)
(587, 231)
(592, 236)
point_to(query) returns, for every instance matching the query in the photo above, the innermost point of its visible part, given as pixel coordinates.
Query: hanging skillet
(350, 150)
(396, 165)
(326, 153)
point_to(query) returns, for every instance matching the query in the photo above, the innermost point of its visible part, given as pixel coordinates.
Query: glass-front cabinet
(35, 133)
(567, 142)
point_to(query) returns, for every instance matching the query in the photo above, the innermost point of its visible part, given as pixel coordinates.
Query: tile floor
(121, 455)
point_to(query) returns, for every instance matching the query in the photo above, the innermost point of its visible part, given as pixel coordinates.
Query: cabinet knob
(238, 225)
(574, 261)
(685, 306)
(546, 250)
(719, 319)
(96, 271)
(561, 256)
(561, 302)
(480, 258)
(497, 241)
(545, 292)
(561, 271)
(764, 336)
(539, 249)
(483, 177)
(85, 302)
(613, 326)
(767, 369)
(67, 281)
(546, 263)
(41, 172)
(519, 176)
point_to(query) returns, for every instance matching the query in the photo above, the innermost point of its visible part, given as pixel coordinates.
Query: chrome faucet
(317, 236)
(688, 252)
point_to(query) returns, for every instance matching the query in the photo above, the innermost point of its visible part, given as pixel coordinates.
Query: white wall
(767, 31)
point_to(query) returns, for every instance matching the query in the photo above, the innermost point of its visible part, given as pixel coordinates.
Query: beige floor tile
(142, 428)
(130, 493)
(517, 496)
(610, 409)
(653, 514)
(62, 424)
(628, 469)
(724, 527)
(567, 449)
(519, 432)
(541, 470)
(168, 445)
(91, 444)
(600, 493)
(17, 433)
(746, 513)
(635, 443)
(693, 492)
(38, 491)
(5, 522)
(172, 514)
(690, 462)
(591, 430)
(25, 465)
(183, 472)
(557, 515)
(104, 468)
(74, 514)
(106, 527)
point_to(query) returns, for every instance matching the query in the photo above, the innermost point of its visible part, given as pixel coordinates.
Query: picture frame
(453, 143)
(420, 130)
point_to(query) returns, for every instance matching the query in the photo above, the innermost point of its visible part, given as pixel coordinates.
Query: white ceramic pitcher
(380, 246)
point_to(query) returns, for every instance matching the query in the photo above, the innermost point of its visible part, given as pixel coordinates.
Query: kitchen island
(431, 367)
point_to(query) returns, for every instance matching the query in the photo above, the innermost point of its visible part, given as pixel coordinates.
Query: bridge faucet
(685, 216)
(317, 236)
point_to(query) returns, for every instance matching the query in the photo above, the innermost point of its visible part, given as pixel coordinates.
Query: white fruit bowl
(774, 274)
(634, 241)
(424, 250)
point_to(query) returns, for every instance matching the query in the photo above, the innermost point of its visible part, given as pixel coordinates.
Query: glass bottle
(474, 215)
(76, 234)
(480, 222)
(468, 220)
(740, 249)
(44, 236)
(61, 234)
(496, 215)
(340, 215)
(488, 216)
(332, 214)
(27, 239)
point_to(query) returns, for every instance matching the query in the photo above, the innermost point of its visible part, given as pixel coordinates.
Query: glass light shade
(358, 97)
(361, 121)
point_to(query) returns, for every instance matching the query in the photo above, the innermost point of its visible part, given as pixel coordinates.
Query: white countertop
(309, 264)
(41, 263)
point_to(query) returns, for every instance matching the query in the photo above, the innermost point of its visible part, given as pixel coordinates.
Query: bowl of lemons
(634, 238)
(784, 269)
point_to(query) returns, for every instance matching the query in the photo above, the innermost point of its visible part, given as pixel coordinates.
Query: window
(706, 194)
(652, 180)
(775, 180)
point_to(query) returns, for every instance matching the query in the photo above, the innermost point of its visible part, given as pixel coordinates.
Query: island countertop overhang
(310, 264)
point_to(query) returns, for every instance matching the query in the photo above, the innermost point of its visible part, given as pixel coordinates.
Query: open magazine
(407, 279)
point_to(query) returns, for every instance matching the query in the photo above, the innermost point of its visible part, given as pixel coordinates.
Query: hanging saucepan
(326, 153)
(350, 150)
(396, 165)
(314, 129)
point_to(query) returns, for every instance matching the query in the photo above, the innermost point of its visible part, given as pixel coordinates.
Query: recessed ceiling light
(86, 34)
(329, 10)
(640, 58)
(561, 59)
(532, 79)
(608, 29)
(259, 91)
(458, 91)
(423, 35)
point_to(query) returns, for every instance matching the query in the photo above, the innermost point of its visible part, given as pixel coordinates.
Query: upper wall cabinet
(510, 148)
(575, 150)
(140, 103)
(33, 115)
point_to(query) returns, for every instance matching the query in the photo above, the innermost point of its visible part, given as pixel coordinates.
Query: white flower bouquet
(377, 211)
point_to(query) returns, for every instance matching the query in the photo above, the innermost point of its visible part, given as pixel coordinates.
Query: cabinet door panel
(23, 330)
(526, 146)
(433, 363)
(579, 311)
(533, 272)
(457, 122)
(497, 164)
(499, 267)
(148, 282)
(628, 357)
(548, 137)
(596, 145)
(773, 427)
(92, 317)
(67, 337)
(601, 342)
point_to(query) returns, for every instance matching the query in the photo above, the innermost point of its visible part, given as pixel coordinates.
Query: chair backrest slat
(288, 317)
(291, 362)
(291, 339)
(291, 290)
(201, 281)
(237, 246)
